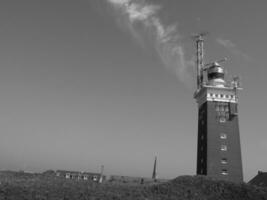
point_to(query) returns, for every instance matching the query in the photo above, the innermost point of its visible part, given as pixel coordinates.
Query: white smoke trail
(165, 37)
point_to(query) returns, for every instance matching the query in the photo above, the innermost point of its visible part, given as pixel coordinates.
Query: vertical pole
(101, 174)
(200, 55)
(154, 175)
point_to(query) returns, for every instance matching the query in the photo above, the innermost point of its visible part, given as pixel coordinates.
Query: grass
(16, 186)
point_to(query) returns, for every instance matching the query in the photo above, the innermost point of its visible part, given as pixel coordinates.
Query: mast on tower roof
(200, 58)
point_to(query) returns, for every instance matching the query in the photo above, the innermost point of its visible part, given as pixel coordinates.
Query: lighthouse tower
(218, 150)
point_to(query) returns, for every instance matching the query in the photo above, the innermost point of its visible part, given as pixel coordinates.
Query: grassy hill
(16, 186)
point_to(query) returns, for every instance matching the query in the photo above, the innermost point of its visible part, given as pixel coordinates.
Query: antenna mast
(200, 58)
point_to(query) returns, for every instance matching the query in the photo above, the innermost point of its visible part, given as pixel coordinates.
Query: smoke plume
(142, 20)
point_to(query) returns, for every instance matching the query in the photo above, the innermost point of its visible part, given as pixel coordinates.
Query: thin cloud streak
(142, 20)
(229, 45)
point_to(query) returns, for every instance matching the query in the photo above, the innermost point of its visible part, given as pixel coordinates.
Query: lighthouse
(218, 143)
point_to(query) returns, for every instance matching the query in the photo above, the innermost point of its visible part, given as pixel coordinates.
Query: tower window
(224, 161)
(224, 172)
(223, 148)
(223, 136)
(222, 119)
(227, 115)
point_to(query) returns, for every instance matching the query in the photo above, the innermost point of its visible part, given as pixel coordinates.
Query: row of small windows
(222, 136)
(226, 96)
(222, 111)
(224, 160)
(221, 116)
(223, 172)
(222, 108)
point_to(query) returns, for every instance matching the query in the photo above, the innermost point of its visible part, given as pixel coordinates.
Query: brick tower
(218, 150)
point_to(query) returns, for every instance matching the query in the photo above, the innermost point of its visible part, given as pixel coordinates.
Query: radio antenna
(200, 57)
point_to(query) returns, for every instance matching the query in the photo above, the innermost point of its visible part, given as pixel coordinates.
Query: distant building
(86, 176)
(260, 179)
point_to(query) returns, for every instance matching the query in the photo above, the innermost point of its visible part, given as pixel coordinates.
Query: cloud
(226, 43)
(229, 45)
(143, 21)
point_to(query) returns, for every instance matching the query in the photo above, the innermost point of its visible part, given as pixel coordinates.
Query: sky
(87, 83)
